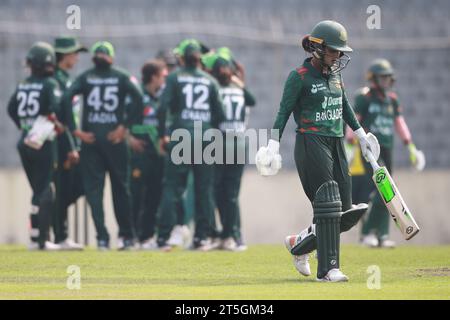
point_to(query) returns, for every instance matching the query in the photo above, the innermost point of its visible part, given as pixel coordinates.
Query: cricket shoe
(387, 243)
(163, 245)
(228, 244)
(202, 245)
(102, 245)
(334, 275)
(48, 246)
(301, 262)
(240, 245)
(216, 243)
(125, 244)
(70, 245)
(149, 244)
(370, 241)
(179, 236)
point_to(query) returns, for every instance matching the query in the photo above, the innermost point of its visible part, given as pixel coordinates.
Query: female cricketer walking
(315, 94)
(378, 109)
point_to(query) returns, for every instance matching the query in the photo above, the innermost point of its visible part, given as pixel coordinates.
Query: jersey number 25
(28, 103)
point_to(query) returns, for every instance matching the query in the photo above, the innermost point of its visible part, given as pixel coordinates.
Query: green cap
(213, 59)
(225, 53)
(68, 45)
(41, 53)
(209, 59)
(188, 46)
(381, 67)
(104, 47)
(331, 34)
(221, 62)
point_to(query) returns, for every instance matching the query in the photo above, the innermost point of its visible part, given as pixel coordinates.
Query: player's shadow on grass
(198, 283)
(301, 279)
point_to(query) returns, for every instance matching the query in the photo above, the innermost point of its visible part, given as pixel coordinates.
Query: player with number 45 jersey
(104, 124)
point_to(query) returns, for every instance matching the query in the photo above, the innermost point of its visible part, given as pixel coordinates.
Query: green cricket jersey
(33, 97)
(64, 82)
(235, 102)
(104, 108)
(190, 95)
(63, 78)
(148, 129)
(378, 113)
(318, 102)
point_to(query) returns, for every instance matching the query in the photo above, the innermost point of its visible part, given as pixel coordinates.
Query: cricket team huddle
(73, 132)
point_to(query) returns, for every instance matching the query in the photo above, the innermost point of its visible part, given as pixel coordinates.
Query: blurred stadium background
(265, 35)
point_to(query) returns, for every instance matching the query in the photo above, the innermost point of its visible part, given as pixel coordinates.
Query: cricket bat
(393, 200)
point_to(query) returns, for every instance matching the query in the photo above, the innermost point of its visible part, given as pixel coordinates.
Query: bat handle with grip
(372, 161)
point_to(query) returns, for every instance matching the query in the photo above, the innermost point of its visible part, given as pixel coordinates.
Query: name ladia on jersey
(102, 117)
(327, 114)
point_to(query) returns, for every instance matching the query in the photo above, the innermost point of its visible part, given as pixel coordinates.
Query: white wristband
(360, 133)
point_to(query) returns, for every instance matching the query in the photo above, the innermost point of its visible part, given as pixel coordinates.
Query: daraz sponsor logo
(331, 102)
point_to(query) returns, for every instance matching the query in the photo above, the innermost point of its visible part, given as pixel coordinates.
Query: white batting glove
(43, 129)
(368, 143)
(268, 159)
(417, 157)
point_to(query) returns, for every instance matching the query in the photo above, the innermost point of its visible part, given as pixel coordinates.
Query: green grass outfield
(262, 272)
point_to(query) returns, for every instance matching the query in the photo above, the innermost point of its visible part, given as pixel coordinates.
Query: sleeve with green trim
(291, 95)
(348, 113)
(134, 110)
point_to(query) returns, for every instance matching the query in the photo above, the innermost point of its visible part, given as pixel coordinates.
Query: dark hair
(151, 68)
(192, 59)
(168, 57)
(101, 63)
(219, 72)
(306, 44)
(41, 70)
(59, 57)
